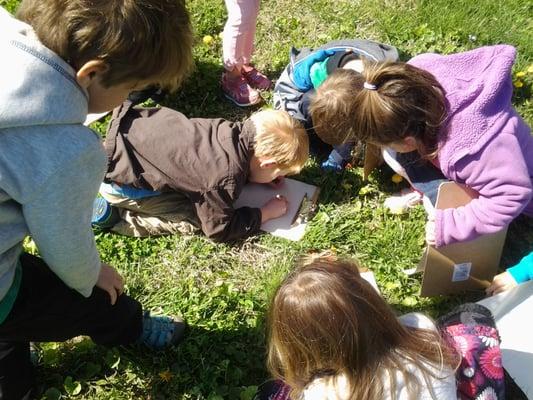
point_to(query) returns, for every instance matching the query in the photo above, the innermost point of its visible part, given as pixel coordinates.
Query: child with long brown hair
(332, 336)
(440, 117)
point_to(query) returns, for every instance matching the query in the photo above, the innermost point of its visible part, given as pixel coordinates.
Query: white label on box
(461, 272)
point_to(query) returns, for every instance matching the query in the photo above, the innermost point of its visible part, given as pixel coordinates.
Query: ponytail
(399, 100)
(385, 103)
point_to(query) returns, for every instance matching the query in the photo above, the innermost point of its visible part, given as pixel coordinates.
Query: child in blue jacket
(306, 71)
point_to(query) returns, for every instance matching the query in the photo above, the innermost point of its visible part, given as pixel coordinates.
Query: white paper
(461, 272)
(94, 117)
(369, 277)
(513, 311)
(256, 195)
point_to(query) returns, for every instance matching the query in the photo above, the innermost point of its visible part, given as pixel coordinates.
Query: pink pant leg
(239, 32)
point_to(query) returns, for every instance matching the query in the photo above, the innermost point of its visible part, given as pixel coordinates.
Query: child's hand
(110, 281)
(501, 283)
(277, 183)
(274, 208)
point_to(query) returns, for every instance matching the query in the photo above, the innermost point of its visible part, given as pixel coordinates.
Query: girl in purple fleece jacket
(443, 117)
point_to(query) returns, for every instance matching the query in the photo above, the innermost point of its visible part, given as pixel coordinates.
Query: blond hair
(407, 101)
(282, 138)
(140, 40)
(326, 321)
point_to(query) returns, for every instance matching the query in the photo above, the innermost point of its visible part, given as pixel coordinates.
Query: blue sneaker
(161, 331)
(104, 214)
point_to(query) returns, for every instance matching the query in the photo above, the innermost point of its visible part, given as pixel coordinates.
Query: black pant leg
(16, 371)
(46, 310)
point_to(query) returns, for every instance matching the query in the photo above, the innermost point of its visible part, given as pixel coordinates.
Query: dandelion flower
(396, 178)
(165, 376)
(520, 74)
(518, 84)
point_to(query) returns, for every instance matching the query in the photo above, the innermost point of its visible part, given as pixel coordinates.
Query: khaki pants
(164, 214)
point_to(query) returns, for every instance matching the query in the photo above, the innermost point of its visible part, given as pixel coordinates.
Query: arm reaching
(504, 186)
(59, 219)
(221, 222)
(274, 208)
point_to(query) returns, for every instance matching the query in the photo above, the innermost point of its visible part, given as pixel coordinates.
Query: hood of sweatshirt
(478, 88)
(52, 96)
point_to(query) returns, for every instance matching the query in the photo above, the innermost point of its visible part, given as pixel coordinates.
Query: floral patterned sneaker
(256, 79)
(238, 91)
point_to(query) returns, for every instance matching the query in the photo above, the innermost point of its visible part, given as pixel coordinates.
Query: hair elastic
(369, 86)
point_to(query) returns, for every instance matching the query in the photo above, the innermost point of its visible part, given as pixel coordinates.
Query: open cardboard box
(462, 266)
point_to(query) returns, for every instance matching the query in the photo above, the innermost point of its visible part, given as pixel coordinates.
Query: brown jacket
(206, 159)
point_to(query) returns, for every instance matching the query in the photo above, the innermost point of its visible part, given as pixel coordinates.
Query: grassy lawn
(223, 290)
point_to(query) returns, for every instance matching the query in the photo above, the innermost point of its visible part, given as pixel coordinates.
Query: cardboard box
(464, 266)
(373, 159)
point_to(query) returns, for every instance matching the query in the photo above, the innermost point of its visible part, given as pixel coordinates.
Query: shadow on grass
(207, 364)
(335, 187)
(519, 241)
(201, 96)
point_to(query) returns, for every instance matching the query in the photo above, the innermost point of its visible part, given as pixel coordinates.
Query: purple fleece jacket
(484, 143)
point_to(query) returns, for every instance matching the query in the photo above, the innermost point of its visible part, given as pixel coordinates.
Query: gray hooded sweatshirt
(50, 164)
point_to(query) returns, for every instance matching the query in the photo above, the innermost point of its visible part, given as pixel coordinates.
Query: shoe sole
(242, 104)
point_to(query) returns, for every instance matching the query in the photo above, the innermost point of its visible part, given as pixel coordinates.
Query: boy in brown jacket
(168, 173)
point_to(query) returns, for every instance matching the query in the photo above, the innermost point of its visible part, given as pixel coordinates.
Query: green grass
(223, 290)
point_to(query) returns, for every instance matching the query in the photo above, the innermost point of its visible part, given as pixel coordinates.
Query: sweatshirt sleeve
(221, 222)
(523, 271)
(58, 216)
(500, 175)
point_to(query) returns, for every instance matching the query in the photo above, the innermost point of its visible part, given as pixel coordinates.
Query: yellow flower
(520, 74)
(530, 69)
(518, 84)
(396, 178)
(208, 39)
(166, 376)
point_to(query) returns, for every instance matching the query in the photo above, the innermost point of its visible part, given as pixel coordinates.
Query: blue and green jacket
(523, 271)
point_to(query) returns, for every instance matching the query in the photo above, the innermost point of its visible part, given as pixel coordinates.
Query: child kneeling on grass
(66, 59)
(309, 68)
(168, 173)
(332, 336)
(440, 117)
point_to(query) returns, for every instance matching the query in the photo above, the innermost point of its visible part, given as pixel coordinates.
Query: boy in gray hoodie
(61, 61)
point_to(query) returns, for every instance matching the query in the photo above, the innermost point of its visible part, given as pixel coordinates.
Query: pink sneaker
(256, 79)
(238, 91)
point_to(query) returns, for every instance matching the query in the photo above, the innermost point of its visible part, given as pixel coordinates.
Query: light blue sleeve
(523, 271)
(58, 217)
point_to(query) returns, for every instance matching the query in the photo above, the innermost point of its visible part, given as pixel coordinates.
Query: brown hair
(407, 101)
(282, 138)
(325, 320)
(140, 40)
